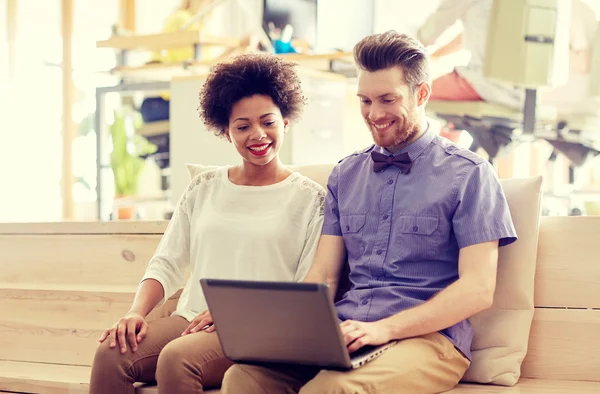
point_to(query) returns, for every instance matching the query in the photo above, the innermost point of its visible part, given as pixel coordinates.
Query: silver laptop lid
(279, 322)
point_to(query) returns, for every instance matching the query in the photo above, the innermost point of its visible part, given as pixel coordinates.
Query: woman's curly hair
(245, 76)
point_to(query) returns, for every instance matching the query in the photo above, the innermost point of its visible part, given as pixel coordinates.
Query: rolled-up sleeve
(331, 221)
(482, 212)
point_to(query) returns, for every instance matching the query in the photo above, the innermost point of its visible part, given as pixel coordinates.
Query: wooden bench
(61, 284)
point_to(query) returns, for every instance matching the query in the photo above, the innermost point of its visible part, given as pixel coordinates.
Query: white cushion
(502, 332)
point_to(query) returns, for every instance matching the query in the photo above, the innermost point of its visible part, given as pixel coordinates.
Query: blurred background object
(68, 68)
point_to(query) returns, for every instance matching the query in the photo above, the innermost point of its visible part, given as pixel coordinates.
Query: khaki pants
(179, 364)
(427, 364)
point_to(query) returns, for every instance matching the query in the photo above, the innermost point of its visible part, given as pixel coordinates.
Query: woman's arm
(149, 294)
(165, 274)
(170, 263)
(311, 240)
(329, 261)
(133, 327)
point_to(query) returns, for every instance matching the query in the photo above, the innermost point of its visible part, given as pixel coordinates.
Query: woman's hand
(199, 323)
(126, 329)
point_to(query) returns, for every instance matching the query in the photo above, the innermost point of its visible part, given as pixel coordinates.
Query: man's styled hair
(392, 49)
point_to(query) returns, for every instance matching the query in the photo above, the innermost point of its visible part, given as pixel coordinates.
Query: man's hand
(358, 334)
(199, 323)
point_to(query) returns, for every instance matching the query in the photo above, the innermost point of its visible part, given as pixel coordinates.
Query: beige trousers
(427, 364)
(178, 364)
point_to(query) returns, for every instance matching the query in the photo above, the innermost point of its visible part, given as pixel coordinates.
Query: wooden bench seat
(25, 377)
(57, 379)
(61, 284)
(525, 386)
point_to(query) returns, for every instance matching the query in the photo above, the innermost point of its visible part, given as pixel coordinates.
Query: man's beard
(407, 132)
(403, 133)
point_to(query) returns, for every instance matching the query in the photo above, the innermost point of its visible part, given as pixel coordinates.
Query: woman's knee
(171, 361)
(110, 371)
(109, 359)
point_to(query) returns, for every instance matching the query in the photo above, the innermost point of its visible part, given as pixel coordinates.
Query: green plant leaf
(127, 149)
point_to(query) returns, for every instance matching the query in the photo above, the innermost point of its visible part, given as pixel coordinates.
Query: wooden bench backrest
(565, 336)
(62, 284)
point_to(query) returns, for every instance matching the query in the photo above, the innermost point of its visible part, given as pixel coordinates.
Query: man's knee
(240, 379)
(328, 382)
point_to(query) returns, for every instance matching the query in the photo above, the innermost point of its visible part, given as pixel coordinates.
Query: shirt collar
(414, 149)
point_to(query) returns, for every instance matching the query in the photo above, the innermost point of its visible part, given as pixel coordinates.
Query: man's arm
(581, 37)
(473, 292)
(455, 45)
(448, 12)
(328, 263)
(331, 252)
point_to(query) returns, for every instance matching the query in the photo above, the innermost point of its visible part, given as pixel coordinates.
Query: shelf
(307, 57)
(154, 128)
(162, 71)
(157, 42)
(309, 63)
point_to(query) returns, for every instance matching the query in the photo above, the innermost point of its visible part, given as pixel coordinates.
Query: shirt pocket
(417, 238)
(418, 225)
(352, 227)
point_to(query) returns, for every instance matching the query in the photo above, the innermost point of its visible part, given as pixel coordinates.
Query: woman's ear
(226, 134)
(286, 123)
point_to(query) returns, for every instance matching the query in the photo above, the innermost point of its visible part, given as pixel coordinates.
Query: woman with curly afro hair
(257, 220)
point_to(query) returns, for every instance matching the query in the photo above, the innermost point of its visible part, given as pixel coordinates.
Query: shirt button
(347, 228)
(379, 251)
(385, 217)
(390, 182)
(415, 229)
(365, 302)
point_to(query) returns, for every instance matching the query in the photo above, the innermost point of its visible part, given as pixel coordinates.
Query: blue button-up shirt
(403, 232)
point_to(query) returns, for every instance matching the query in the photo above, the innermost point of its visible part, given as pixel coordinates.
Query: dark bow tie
(381, 162)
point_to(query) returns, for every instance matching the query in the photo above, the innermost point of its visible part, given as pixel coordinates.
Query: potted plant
(127, 159)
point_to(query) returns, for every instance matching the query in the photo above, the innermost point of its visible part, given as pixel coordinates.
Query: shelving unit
(147, 79)
(178, 39)
(101, 163)
(154, 128)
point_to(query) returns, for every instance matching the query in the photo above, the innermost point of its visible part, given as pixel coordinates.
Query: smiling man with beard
(418, 221)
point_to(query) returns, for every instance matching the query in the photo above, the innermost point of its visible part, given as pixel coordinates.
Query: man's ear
(423, 93)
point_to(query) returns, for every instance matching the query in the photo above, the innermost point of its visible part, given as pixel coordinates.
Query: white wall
(190, 142)
(342, 23)
(402, 15)
(319, 136)
(230, 18)
(150, 16)
(236, 18)
(356, 134)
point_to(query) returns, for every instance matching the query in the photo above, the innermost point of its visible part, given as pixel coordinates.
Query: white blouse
(226, 231)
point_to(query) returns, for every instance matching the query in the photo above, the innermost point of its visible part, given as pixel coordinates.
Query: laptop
(281, 322)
